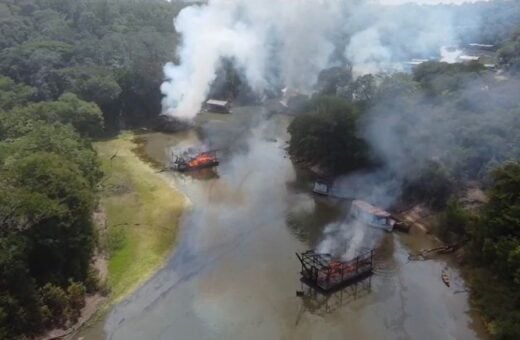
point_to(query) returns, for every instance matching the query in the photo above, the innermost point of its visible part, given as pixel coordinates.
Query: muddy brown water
(234, 273)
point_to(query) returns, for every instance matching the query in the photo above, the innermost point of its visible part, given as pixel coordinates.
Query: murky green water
(234, 273)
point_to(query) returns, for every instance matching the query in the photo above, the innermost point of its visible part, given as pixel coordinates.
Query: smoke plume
(271, 42)
(276, 44)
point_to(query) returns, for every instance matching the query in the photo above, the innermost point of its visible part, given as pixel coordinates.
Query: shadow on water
(320, 304)
(203, 174)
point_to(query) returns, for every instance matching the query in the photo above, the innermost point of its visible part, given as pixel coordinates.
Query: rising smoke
(293, 37)
(276, 44)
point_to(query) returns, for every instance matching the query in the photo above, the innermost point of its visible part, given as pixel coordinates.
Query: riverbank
(136, 223)
(234, 273)
(143, 210)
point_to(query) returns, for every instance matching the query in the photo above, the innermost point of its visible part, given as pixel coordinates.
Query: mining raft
(376, 217)
(328, 275)
(207, 159)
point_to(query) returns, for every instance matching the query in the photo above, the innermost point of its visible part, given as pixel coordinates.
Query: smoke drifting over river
(286, 44)
(276, 44)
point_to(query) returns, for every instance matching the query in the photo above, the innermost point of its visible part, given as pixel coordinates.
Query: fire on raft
(327, 275)
(202, 160)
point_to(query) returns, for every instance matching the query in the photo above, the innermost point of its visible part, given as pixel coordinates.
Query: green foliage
(116, 239)
(496, 241)
(54, 300)
(326, 135)
(13, 94)
(332, 79)
(467, 130)
(76, 292)
(48, 178)
(108, 52)
(19, 301)
(400, 86)
(454, 221)
(438, 78)
(56, 139)
(497, 300)
(362, 90)
(432, 184)
(509, 53)
(495, 246)
(92, 84)
(85, 117)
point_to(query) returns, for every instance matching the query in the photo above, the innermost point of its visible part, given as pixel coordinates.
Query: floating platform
(327, 275)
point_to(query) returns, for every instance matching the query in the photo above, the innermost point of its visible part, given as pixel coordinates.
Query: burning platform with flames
(206, 159)
(328, 275)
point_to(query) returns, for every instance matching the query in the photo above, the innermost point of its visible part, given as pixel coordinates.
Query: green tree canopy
(326, 135)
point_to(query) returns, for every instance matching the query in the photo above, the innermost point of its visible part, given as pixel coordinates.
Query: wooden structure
(373, 216)
(327, 275)
(220, 106)
(202, 160)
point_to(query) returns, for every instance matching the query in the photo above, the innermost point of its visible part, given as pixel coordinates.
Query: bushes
(326, 135)
(495, 248)
(454, 222)
(59, 306)
(48, 178)
(433, 184)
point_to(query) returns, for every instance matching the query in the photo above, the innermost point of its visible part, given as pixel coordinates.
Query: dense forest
(436, 130)
(72, 71)
(48, 182)
(107, 52)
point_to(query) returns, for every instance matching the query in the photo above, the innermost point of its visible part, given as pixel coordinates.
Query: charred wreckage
(201, 160)
(327, 275)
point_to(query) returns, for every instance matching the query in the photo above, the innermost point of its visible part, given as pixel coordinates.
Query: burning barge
(327, 275)
(202, 160)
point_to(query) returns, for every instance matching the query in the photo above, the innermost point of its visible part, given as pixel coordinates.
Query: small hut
(371, 215)
(220, 106)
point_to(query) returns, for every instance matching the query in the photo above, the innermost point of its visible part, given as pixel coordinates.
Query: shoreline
(142, 212)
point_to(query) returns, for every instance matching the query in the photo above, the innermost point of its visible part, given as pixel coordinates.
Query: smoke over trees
(325, 136)
(287, 44)
(428, 131)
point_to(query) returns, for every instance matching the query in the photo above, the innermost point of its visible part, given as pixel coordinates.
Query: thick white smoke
(294, 35)
(276, 43)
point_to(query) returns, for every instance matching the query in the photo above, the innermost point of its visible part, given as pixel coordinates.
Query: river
(234, 273)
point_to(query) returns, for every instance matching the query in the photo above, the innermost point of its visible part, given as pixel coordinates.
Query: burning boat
(202, 160)
(327, 274)
(373, 216)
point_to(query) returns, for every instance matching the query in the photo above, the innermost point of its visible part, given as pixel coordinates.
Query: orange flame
(202, 159)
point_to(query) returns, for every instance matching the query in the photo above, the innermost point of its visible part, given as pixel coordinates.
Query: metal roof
(216, 102)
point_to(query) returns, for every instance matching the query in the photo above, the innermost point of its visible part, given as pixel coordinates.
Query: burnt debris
(207, 159)
(327, 275)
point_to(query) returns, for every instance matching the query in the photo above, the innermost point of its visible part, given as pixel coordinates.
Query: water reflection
(309, 215)
(321, 304)
(233, 273)
(202, 174)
